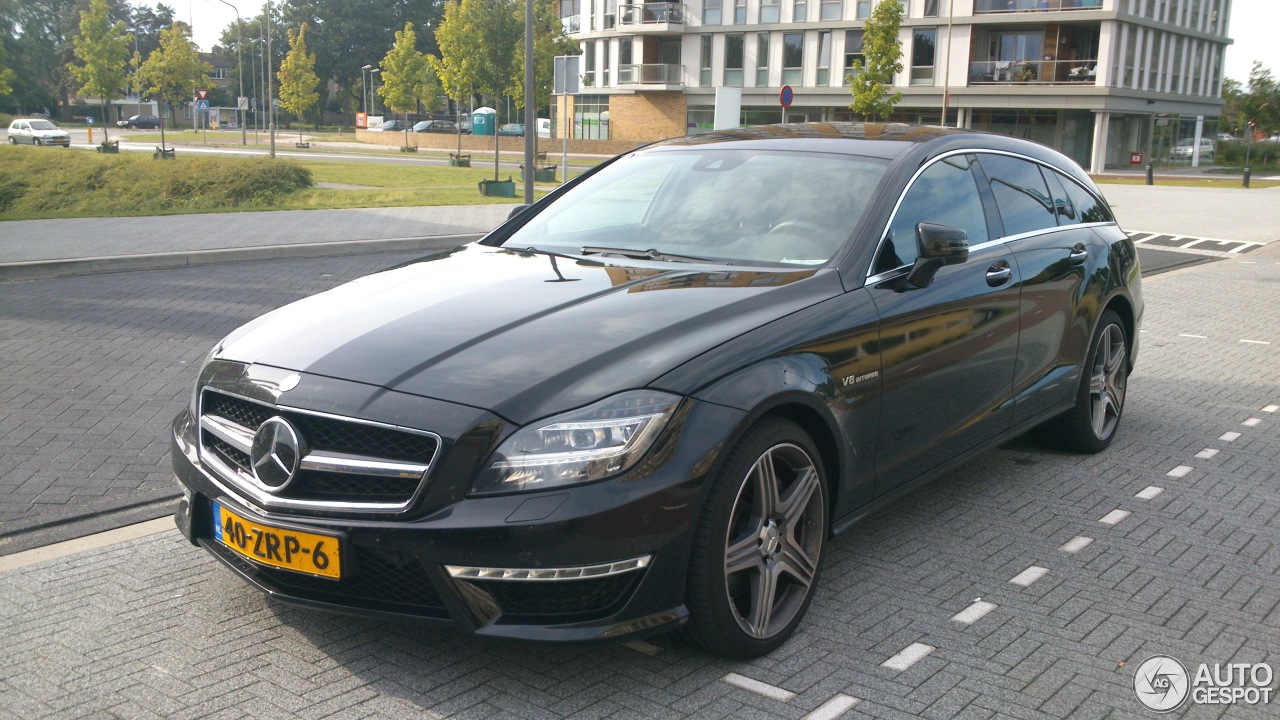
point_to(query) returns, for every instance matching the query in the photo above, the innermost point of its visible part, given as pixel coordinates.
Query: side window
(1021, 194)
(1066, 210)
(1087, 207)
(946, 193)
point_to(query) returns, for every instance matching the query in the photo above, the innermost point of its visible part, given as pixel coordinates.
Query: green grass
(1233, 182)
(39, 183)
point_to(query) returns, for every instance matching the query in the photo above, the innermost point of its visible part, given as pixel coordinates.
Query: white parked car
(37, 131)
(1183, 150)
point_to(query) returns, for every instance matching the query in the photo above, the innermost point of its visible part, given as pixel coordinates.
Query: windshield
(731, 206)
(43, 125)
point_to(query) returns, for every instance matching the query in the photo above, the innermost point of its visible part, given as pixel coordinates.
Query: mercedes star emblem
(275, 454)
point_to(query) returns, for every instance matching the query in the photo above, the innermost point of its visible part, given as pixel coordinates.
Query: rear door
(947, 350)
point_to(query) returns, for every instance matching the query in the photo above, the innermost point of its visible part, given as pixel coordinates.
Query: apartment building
(1111, 83)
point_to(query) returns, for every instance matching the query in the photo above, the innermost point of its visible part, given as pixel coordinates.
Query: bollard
(1248, 171)
(1151, 177)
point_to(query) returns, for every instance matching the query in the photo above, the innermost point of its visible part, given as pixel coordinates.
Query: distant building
(1100, 80)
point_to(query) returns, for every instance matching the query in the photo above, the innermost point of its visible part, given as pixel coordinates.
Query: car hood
(521, 334)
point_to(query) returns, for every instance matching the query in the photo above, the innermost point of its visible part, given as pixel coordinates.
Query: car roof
(887, 141)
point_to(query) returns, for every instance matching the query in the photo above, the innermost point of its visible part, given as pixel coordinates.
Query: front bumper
(436, 562)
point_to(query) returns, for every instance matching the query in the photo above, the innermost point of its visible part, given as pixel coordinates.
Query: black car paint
(811, 344)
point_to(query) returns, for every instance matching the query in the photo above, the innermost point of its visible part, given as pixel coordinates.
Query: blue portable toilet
(484, 121)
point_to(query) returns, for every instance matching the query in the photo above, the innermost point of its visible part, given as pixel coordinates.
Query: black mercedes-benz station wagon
(649, 400)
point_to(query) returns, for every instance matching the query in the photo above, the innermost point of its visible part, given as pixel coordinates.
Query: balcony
(655, 76)
(1040, 72)
(984, 7)
(657, 18)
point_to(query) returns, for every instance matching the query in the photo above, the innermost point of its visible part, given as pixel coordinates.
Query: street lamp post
(244, 137)
(364, 94)
(271, 92)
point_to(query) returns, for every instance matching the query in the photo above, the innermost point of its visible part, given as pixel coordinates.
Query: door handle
(1078, 255)
(998, 274)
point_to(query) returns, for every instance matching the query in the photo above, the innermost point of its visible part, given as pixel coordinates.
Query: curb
(48, 269)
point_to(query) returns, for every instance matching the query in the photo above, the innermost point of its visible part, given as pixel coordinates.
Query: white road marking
(1206, 453)
(1256, 342)
(1180, 471)
(910, 655)
(641, 646)
(1271, 408)
(1198, 337)
(833, 708)
(90, 542)
(974, 612)
(759, 688)
(1076, 544)
(1028, 576)
(1252, 422)
(1230, 437)
(1114, 517)
(1150, 493)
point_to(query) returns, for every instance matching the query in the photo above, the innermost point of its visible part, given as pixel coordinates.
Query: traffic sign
(276, 103)
(202, 105)
(202, 94)
(89, 120)
(242, 103)
(785, 96)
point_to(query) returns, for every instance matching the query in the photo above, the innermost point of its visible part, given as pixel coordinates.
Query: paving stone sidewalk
(155, 628)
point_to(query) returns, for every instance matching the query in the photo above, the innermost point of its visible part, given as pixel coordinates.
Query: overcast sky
(1254, 25)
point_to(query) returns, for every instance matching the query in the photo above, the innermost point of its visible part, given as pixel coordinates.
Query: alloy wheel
(1108, 381)
(774, 541)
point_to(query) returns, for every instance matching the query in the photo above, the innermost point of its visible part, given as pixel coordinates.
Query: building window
(792, 58)
(830, 9)
(704, 77)
(762, 60)
(853, 40)
(862, 10)
(733, 59)
(590, 117)
(923, 50)
(931, 8)
(711, 12)
(801, 13)
(824, 58)
(769, 11)
(589, 61)
(739, 12)
(624, 52)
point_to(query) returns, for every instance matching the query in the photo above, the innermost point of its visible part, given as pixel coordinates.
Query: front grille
(560, 599)
(377, 580)
(312, 487)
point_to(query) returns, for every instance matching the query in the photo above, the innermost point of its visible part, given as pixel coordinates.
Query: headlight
(580, 446)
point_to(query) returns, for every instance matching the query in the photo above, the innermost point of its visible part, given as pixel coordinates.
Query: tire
(757, 550)
(1091, 425)
(36, 142)
(13, 141)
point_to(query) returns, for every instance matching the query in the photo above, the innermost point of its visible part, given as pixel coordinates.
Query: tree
(1262, 103)
(406, 76)
(476, 40)
(549, 40)
(103, 48)
(298, 81)
(451, 67)
(870, 84)
(174, 71)
(146, 24)
(6, 74)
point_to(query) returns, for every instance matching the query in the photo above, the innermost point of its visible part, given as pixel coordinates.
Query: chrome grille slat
(376, 484)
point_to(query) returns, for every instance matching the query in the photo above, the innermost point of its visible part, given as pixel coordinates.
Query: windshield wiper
(650, 254)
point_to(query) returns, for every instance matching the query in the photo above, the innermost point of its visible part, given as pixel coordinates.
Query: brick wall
(647, 116)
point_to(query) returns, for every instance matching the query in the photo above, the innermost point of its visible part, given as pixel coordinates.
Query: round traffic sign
(88, 120)
(785, 96)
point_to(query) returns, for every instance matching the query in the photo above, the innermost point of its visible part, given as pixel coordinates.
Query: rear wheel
(1091, 425)
(758, 547)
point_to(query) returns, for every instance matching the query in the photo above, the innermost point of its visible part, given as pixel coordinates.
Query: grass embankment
(37, 183)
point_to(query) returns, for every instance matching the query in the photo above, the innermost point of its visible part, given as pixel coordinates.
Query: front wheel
(37, 142)
(757, 550)
(1091, 425)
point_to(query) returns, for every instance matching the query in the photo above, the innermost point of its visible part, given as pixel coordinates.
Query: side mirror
(517, 210)
(937, 245)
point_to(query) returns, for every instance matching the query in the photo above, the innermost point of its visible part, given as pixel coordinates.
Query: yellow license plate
(304, 552)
